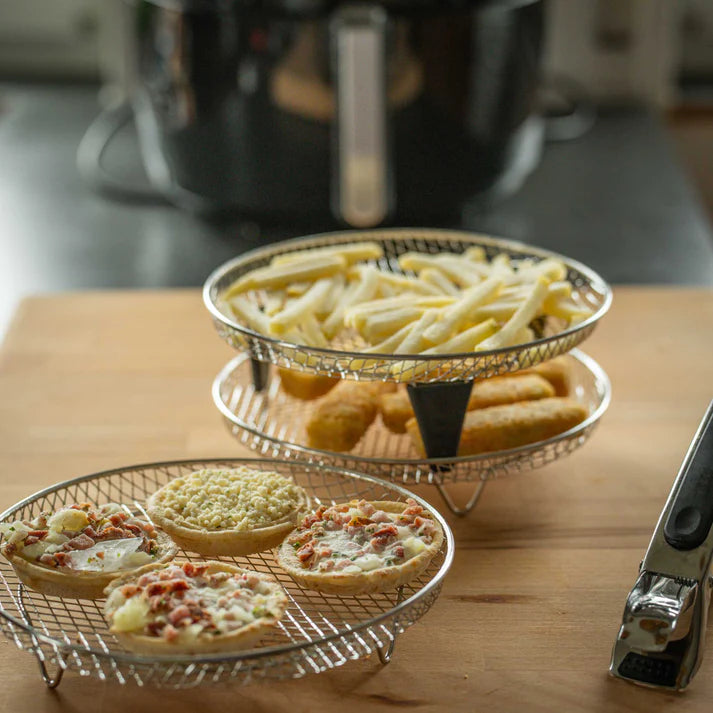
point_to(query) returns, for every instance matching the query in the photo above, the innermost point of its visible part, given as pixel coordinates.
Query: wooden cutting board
(528, 614)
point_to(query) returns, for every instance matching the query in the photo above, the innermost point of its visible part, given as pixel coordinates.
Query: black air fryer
(326, 113)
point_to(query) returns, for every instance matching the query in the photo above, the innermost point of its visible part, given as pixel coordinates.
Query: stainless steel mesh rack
(271, 422)
(319, 632)
(344, 358)
(438, 384)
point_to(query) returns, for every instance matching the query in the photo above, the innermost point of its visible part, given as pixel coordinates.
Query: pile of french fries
(439, 304)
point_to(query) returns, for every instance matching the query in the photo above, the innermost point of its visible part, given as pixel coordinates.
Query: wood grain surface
(530, 609)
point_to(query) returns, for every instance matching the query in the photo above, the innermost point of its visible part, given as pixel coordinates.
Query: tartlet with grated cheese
(228, 512)
(361, 547)
(193, 608)
(78, 550)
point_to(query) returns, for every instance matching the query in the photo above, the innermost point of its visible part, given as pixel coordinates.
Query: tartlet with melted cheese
(187, 608)
(78, 550)
(228, 512)
(361, 547)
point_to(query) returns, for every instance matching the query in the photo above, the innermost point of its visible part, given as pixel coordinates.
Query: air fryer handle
(360, 186)
(691, 514)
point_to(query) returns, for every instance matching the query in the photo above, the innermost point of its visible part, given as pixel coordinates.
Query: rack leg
(50, 681)
(260, 373)
(385, 652)
(455, 509)
(440, 410)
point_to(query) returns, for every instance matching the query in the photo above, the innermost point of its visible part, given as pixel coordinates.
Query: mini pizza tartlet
(187, 608)
(78, 550)
(361, 547)
(228, 512)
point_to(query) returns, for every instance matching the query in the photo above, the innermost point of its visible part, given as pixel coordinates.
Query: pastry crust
(242, 638)
(374, 581)
(228, 542)
(78, 585)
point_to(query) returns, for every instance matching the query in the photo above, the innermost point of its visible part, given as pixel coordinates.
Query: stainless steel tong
(661, 639)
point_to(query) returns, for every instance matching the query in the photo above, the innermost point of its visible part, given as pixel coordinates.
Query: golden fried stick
(343, 416)
(499, 428)
(304, 385)
(396, 408)
(556, 371)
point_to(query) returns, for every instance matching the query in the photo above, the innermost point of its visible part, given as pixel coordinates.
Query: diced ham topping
(80, 542)
(370, 531)
(305, 552)
(176, 600)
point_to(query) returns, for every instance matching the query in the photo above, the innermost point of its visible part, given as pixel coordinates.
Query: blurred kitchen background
(144, 142)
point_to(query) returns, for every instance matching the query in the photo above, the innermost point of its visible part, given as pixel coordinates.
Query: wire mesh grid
(318, 632)
(345, 358)
(272, 423)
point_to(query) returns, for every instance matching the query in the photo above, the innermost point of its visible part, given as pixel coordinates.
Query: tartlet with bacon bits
(188, 608)
(78, 550)
(361, 547)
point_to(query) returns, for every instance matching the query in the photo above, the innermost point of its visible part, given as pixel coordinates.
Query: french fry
(462, 272)
(416, 261)
(464, 342)
(333, 296)
(358, 314)
(552, 269)
(298, 309)
(436, 278)
(247, 312)
(381, 325)
(475, 254)
(311, 329)
(402, 283)
(352, 253)
(386, 290)
(388, 345)
(274, 302)
(412, 342)
(524, 314)
(297, 289)
(565, 308)
(455, 316)
(499, 311)
(357, 292)
(282, 275)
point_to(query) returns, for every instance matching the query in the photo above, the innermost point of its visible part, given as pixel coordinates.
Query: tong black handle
(691, 514)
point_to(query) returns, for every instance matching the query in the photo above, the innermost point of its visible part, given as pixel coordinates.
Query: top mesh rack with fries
(438, 383)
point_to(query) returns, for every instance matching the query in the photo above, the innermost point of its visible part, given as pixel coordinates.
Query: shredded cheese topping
(239, 499)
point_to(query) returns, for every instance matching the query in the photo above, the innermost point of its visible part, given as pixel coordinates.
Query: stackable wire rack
(318, 632)
(270, 422)
(346, 360)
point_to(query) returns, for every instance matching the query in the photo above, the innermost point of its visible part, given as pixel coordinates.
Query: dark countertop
(615, 199)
